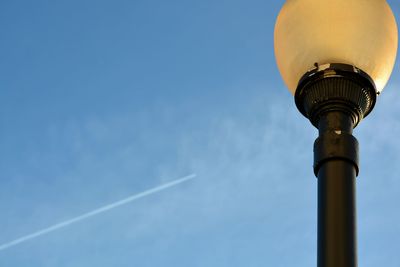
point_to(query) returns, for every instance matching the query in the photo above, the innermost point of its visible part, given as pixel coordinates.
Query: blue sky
(100, 100)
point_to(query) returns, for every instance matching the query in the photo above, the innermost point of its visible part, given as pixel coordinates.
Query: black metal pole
(336, 166)
(335, 98)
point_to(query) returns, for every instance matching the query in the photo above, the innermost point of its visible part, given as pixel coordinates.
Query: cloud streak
(96, 212)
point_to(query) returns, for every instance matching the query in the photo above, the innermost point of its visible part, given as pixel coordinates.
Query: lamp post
(336, 57)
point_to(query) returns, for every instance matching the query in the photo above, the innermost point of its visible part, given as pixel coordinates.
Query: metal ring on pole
(335, 146)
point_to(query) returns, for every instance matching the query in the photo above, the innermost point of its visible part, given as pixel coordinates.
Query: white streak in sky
(95, 212)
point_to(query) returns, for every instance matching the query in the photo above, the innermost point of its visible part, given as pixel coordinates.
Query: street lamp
(336, 57)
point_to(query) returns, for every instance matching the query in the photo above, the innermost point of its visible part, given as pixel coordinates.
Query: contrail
(96, 211)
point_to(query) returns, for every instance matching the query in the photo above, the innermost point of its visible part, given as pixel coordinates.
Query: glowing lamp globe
(359, 33)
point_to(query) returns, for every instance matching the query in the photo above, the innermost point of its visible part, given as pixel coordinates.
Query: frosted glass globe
(362, 33)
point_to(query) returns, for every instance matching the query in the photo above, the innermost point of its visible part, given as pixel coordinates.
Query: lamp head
(360, 33)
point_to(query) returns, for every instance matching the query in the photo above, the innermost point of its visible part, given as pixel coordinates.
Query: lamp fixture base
(335, 87)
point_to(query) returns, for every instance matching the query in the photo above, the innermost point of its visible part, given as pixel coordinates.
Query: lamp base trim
(335, 87)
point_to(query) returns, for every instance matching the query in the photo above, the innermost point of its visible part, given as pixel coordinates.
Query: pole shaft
(337, 170)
